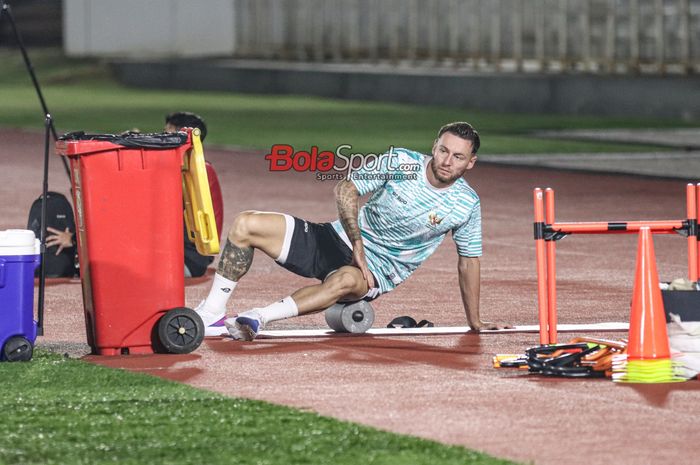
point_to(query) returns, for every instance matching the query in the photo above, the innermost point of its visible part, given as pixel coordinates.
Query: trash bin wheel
(180, 330)
(17, 349)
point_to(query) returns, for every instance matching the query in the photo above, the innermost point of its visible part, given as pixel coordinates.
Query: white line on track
(293, 333)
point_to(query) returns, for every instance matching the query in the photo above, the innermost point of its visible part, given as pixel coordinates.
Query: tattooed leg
(251, 230)
(235, 261)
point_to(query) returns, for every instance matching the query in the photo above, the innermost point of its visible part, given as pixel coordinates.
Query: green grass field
(82, 96)
(63, 411)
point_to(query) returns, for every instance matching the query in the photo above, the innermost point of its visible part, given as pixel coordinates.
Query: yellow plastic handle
(199, 211)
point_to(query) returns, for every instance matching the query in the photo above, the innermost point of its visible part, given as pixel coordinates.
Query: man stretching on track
(366, 252)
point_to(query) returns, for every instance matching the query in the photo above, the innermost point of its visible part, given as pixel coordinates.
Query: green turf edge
(57, 410)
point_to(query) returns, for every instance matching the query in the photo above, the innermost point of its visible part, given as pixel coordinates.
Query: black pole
(42, 233)
(28, 64)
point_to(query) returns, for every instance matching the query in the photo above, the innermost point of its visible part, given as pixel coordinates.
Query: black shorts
(314, 250)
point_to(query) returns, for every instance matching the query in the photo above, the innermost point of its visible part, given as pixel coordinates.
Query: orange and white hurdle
(547, 232)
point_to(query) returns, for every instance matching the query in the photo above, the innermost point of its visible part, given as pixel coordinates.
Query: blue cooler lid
(15, 242)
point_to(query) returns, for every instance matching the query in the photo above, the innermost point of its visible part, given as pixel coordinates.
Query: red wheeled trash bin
(127, 193)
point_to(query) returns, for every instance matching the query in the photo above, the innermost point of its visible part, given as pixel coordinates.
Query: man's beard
(441, 178)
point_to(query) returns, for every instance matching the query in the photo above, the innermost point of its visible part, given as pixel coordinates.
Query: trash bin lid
(80, 142)
(18, 242)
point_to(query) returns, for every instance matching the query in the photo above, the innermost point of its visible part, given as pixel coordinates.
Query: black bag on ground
(59, 215)
(409, 322)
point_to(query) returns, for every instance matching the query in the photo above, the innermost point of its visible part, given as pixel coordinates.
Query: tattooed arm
(235, 261)
(347, 200)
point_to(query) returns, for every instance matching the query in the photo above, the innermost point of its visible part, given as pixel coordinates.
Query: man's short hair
(463, 130)
(185, 119)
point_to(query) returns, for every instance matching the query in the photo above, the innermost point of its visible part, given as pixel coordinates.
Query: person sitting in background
(196, 264)
(60, 260)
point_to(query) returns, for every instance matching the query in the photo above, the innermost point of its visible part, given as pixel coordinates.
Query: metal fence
(601, 36)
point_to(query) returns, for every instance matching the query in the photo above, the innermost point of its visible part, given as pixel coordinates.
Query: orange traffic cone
(648, 339)
(648, 353)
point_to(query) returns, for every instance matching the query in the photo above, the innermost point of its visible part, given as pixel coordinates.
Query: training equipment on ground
(581, 357)
(124, 188)
(356, 317)
(648, 358)
(547, 232)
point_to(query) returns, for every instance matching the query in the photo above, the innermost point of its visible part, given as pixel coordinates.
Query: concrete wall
(579, 94)
(148, 28)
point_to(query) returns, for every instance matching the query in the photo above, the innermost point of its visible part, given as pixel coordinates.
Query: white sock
(221, 290)
(285, 308)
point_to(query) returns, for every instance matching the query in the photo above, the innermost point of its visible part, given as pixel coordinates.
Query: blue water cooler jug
(19, 258)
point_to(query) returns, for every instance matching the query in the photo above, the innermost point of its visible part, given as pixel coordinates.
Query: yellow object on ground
(514, 360)
(646, 371)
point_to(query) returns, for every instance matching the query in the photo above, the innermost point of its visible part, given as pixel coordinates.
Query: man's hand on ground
(484, 325)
